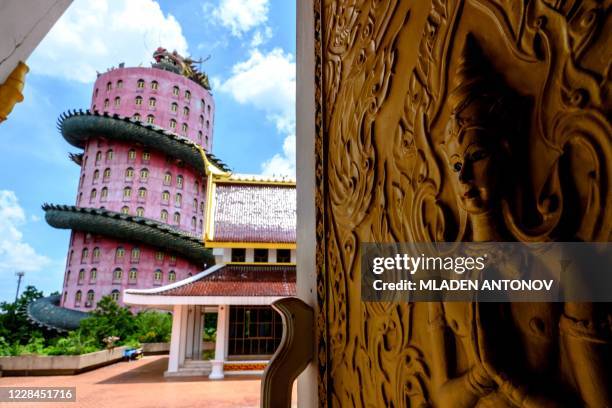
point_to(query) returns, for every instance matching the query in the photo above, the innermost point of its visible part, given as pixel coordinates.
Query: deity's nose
(465, 174)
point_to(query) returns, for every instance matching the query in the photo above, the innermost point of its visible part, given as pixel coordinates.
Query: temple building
(251, 228)
(160, 223)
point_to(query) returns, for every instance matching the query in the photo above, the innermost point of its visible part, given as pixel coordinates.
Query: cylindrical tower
(140, 204)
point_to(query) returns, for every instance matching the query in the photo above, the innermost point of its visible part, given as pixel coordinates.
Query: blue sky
(252, 70)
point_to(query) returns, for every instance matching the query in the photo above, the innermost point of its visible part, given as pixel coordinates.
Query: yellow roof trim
(262, 245)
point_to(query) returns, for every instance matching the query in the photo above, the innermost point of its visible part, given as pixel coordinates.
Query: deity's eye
(457, 167)
(478, 155)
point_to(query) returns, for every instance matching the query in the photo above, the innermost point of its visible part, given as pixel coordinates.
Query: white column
(272, 255)
(183, 335)
(190, 332)
(175, 339)
(220, 343)
(249, 255)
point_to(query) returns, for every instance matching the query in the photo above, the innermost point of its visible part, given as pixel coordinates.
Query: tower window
(177, 218)
(136, 117)
(109, 86)
(184, 128)
(104, 193)
(98, 157)
(260, 255)
(133, 275)
(119, 253)
(144, 174)
(77, 298)
(150, 119)
(178, 199)
(140, 212)
(119, 84)
(140, 84)
(187, 95)
(157, 276)
(93, 275)
(107, 174)
(154, 85)
(179, 181)
(172, 124)
(125, 210)
(164, 215)
(174, 107)
(117, 274)
(146, 156)
(171, 276)
(92, 195)
(81, 276)
(106, 103)
(109, 155)
(185, 111)
(90, 297)
(167, 178)
(152, 102)
(115, 295)
(165, 197)
(132, 154)
(135, 254)
(138, 100)
(127, 192)
(175, 91)
(129, 173)
(193, 222)
(117, 102)
(96, 175)
(142, 193)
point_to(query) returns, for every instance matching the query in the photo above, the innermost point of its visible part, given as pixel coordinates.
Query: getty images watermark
(487, 272)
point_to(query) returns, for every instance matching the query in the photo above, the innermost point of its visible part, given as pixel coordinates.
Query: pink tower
(139, 211)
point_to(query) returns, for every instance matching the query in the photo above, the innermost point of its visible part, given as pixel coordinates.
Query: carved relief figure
(477, 365)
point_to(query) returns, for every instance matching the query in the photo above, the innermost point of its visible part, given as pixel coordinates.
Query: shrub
(153, 327)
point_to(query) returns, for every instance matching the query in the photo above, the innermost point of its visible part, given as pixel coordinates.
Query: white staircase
(192, 368)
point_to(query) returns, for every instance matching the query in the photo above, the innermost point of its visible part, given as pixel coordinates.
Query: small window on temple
(92, 195)
(238, 254)
(199, 135)
(98, 157)
(154, 85)
(202, 104)
(172, 260)
(106, 103)
(157, 276)
(187, 95)
(140, 212)
(119, 253)
(184, 128)
(179, 181)
(164, 215)
(159, 255)
(77, 298)
(150, 119)
(208, 108)
(93, 275)
(132, 154)
(136, 117)
(96, 175)
(142, 193)
(117, 101)
(177, 218)
(109, 86)
(127, 192)
(146, 156)
(193, 222)
(117, 274)
(195, 204)
(152, 102)
(175, 91)
(201, 120)
(208, 124)
(107, 174)
(133, 275)
(167, 179)
(260, 255)
(125, 210)
(138, 100)
(165, 196)
(140, 83)
(178, 199)
(120, 84)
(172, 124)
(283, 255)
(135, 254)
(96, 93)
(185, 111)
(144, 174)
(90, 298)
(109, 155)
(81, 276)
(115, 295)
(129, 173)
(103, 193)
(174, 107)
(171, 276)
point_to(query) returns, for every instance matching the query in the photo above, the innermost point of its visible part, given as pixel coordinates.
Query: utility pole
(19, 276)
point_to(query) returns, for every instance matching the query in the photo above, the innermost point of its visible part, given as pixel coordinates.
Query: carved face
(474, 170)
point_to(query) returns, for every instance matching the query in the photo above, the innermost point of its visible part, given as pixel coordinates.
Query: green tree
(14, 325)
(108, 319)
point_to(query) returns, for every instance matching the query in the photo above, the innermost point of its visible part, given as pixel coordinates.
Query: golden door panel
(465, 120)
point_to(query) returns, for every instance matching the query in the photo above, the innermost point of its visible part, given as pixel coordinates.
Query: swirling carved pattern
(383, 71)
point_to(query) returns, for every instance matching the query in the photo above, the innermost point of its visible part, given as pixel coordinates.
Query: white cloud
(267, 82)
(16, 255)
(261, 37)
(94, 35)
(240, 16)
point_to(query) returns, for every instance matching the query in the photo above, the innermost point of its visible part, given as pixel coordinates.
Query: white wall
(23, 25)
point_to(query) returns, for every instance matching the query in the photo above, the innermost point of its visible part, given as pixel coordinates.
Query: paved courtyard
(142, 384)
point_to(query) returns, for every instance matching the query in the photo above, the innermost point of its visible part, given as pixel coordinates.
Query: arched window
(154, 85)
(135, 254)
(117, 101)
(133, 275)
(92, 195)
(98, 157)
(178, 199)
(200, 226)
(103, 193)
(77, 298)
(208, 108)
(174, 106)
(171, 276)
(109, 86)
(196, 187)
(96, 175)
(187, 95)
(201, 120)
(200, 136)
(140, 212)
(159, 256)
(193, 222)
(172, 260)
(107, 173)
(164, 215)
(179, 181)
(115, 295)
(117, 274)
(206, 143)
(167, 178)
(195, 204)
(119, 253)
(144, 174)
(184, 128)
(175, 91)
(125, 210)
(79, 198)
(185, 111)
(138, 100)
(96, 254)
(127, 192)
(157, 276)
(150, 119)
(208, 124)
(132, 154)
(93, 275)
(165, 197)
(84, 255)
(202, 104)
(146, 156)
(109, 155)
(81, 276)
(106, 103)
(70, 257)
(152, 102)
(129, 173)
(140, 83)
(65, 298)
(81, 180)
(172, 124)
(136, 117)
(177, 218)
(90, 298)
(96, 93)
(120, 84)
(142, 193)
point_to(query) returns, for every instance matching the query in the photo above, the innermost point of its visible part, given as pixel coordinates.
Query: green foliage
(108, 319)
(73, 344)
(153, 327)
(14, 326)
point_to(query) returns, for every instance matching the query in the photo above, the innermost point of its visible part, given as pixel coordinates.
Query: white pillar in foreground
(220, 343)
(175, 339)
